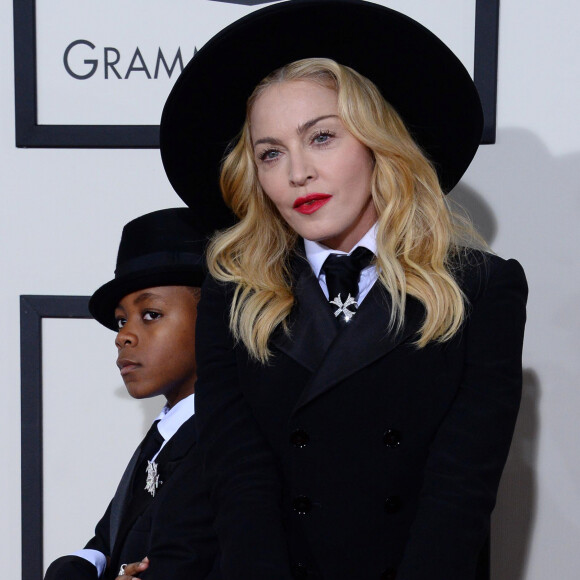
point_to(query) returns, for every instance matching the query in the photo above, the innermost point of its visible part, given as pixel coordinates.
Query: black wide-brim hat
(162, 248)
(414, 70)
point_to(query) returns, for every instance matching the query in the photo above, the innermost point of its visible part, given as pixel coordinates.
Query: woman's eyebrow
(269, 140)
(300, 130)
(309, 124)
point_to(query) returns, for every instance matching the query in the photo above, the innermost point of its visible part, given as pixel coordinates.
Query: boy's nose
(125, 338)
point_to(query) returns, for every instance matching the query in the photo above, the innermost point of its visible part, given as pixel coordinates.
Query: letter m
(168, 69)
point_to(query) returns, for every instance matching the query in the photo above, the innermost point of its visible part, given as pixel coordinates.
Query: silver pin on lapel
(342, 308)
(152, 482)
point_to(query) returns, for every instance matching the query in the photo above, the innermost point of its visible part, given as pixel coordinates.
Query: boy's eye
(150, 315)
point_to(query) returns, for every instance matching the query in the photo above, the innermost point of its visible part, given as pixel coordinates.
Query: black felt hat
(414, 70)
(162, 248)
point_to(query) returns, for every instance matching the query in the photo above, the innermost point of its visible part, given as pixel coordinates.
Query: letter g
(94, 63)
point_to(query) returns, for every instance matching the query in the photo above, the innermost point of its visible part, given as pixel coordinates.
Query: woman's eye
(149, 315)
(120, 322)
(269, 155)
(322, 137)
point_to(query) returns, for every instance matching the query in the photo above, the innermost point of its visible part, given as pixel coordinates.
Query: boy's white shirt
(170, 420)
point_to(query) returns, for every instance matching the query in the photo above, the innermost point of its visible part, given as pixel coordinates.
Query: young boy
(161, 509)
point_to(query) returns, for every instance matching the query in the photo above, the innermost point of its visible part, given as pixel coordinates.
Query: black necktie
(342, 275)
(149, 447)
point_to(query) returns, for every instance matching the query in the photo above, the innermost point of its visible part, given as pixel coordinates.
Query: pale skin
(302, 149)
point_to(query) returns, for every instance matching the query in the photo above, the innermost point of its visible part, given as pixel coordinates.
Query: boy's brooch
(152, 482)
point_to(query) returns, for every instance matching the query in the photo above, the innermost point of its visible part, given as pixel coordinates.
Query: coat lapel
(332, 353)
(120, 498)
(177, 448)
(168, 460)
(362, 342)
(312, 327)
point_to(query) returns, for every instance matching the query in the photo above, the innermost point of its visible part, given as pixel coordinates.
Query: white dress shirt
(317, 253)
(170, 420)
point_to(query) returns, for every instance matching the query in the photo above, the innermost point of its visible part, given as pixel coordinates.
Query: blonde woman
(355, 406)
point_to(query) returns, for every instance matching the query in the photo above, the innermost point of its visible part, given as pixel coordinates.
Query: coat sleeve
(470, 448)
(69, 567)
(181, 557)
(180, 539)
(238, 461)
(101, 540)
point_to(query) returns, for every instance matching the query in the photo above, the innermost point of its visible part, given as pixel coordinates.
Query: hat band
(157, 259)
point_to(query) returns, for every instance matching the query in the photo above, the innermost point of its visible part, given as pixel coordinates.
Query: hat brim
(103, 302)
(414, 70)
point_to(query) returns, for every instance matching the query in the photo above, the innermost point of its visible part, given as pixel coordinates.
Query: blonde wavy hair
(419, 239)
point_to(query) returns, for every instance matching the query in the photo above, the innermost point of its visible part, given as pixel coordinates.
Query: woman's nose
(301, 169)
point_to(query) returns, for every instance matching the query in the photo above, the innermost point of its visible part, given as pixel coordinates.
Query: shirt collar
(317, 253)
(171, 419)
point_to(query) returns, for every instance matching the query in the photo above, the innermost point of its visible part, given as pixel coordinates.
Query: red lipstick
(310, 203)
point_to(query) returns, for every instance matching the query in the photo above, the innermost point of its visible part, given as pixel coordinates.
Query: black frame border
(485, 58)
(30, 134)
(33, 308)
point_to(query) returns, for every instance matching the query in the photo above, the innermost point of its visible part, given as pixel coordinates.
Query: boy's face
(156, 342)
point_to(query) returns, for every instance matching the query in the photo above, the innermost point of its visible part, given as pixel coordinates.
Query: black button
(301, 504)
(389, 574)
(392, 504)
(299, 571)
(392, 438)
(299, 438)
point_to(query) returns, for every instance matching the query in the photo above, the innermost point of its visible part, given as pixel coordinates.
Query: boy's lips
(127, 366)
(310, 203)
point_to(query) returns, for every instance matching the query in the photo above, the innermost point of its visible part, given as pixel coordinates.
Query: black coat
(174, 529)
(389, 456)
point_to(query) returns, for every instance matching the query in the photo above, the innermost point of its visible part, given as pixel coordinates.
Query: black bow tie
(342, 275)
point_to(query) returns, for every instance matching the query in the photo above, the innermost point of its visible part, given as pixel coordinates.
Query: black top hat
(162, 248)
(415, 71)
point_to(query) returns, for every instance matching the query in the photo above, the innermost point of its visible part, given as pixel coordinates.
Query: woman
(370, 448)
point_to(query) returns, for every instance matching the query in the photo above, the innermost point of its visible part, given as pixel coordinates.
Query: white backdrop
(60, 220)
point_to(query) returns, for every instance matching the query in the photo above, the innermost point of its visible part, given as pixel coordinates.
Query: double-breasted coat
(174, 528)
(353, 454)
